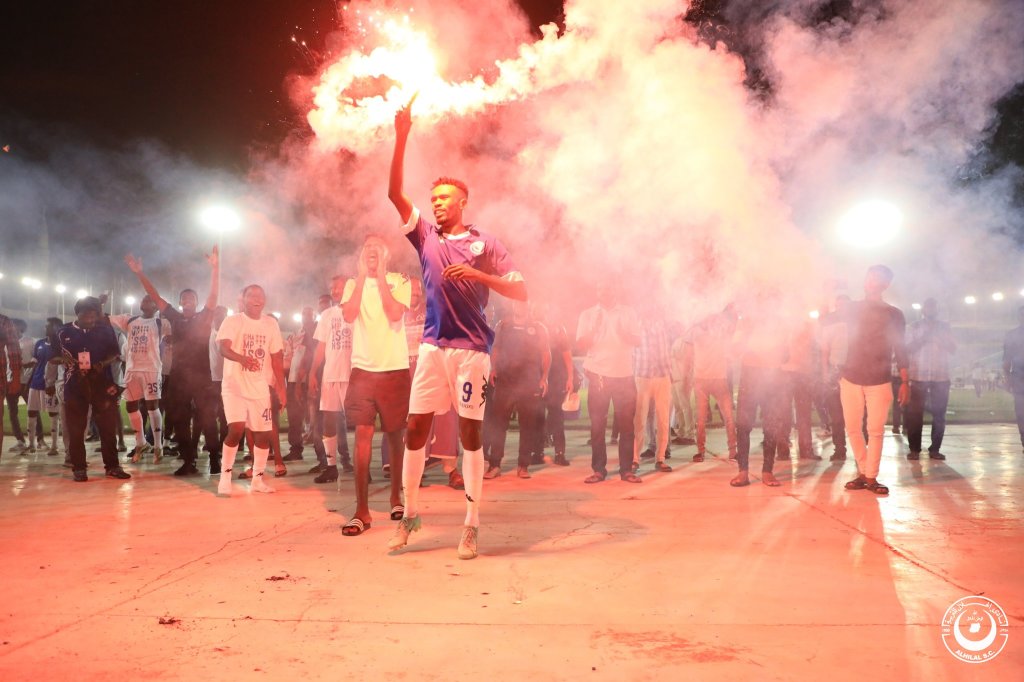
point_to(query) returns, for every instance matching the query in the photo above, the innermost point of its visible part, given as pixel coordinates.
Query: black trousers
(799, 392)
(932, 396)
(765, 389)
(12, 411)
(191, 411)
(553, 420)
(835, 413)
(528, 405)
(105, 414)
(605, 392)
(296, 410)
(899, 412)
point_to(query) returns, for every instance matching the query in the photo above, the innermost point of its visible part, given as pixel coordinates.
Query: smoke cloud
(625, 148)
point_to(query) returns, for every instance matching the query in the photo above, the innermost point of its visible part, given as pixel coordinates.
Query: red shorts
(378, 393)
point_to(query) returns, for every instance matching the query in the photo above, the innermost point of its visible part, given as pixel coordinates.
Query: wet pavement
(681, 577)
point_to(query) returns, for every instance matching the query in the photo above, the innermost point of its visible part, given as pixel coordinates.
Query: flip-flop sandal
(280, 471)
(594, 478)
(355, 526)
(247, 474)
(771, 484)
(397, 512)
(857, 484)
(877, 488)
(737, 483)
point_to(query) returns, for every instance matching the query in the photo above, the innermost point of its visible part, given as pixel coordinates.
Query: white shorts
(38, 401)
(255, 412)
(450, 376)
(332, 396)
(142, 386)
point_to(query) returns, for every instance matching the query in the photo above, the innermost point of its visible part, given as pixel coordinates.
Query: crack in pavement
(919, 563)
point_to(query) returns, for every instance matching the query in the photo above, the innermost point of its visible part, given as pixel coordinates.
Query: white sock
(259, 461)
(135, 418)
(473, 471)
(32, 432)
(156, 423)
(227, 457)
(331, 446)
(412, 473)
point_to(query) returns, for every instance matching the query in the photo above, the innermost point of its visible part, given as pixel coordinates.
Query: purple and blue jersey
(455, 309)
(42, 353)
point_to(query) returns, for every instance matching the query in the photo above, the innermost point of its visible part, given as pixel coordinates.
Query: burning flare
(403, 64)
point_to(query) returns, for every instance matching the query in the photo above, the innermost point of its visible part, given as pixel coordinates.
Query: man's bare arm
(214, 260)
(135, 265)
(396, 191)
(280, 383)
(394, 310)
(515, 290)
(350, 308)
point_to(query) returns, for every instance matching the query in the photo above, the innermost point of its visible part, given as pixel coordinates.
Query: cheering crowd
(416, 358)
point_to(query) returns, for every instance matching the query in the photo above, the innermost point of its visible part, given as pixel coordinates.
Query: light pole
(32, 284)
(220, 218)
(60, 289)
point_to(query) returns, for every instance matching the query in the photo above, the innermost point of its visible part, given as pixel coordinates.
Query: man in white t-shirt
(608, 333)
(375, 303)
(143, 372)
(252, 348)
(334, 354)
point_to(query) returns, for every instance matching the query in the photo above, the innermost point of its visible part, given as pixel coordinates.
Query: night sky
(203, 77)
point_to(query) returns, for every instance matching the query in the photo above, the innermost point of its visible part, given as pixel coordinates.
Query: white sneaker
(136, 456)
(224, 487)
(42, 444)
(17, 447)
(158, 454)
(467, 545)
(258, 485)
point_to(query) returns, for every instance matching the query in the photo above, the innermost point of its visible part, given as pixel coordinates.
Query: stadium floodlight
(870, 224)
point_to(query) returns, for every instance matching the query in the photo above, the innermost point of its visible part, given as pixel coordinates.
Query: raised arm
(135, 265)
(214, 260)
(396, 191)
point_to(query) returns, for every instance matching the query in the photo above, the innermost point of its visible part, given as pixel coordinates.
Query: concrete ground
(679, 578)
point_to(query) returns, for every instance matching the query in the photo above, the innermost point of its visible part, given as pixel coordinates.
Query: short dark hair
(55, 321)
(188, 291)
(21, 324)
(88, 303)
(252, 286)
(454, 182)
(884, 271)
